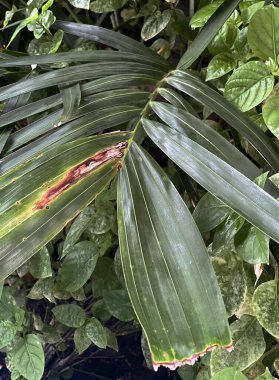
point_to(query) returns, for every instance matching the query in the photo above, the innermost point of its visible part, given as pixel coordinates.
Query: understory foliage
(139, 186)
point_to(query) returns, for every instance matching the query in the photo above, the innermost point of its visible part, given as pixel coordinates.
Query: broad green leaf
(100, 311)
(42, 23)
(96, 333)
(207, 33)
(227, 230)
(154, 24)
(230, 275)
(8, 305)
(249, 345)
(162, 47)
(151, 220)
(7, 332)
(249, 85)
(193, 86)
(81, 340)
(111, 340)
(219, 178)
(119, 305)
(79, 295)
(266, 307)
(104, 277)
(265, 376)
(220, 65)
(70, 315)
(252, 245)
(101, 6)
(223, 42)
(83, 4)
(210, 212)
(248, 13)
(28, 223)
(271, 114)
(229, 374)
(40, 265)
(103, 218)
(43, 288)
(204, 13)
(263, 33)
(78, 265)
(187, 372)
(28, 357)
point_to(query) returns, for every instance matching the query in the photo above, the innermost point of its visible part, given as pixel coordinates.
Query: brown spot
(79, 171)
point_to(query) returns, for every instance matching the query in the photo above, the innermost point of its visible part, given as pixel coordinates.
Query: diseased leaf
(70, 315)
(154, 24)
(248, 342)
(266, 307)
(83, 4)
(28, 357)
(101, 6)
(78, 265)
(249, 85)
(96, 332)
(263, 33)
(42, 288)
(7, 332)
(40, 265)
(81, 340)
(229, 374)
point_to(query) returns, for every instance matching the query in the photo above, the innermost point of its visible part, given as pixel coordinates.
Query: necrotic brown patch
(81, 170)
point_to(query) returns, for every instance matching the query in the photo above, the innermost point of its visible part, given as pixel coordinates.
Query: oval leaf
(229, 374)
(271, 114)
(96, 333)
(70, 315)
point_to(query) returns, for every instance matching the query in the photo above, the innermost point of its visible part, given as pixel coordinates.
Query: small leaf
(28, 357)
(42, 288)
(229, 374)
(111, 340)
(266, 307)
(263, 33)
(154, 24)
(81, 340)
(100, 310)
(40, 265)
(265, 376)
(9, 15)
(70, 315)
(33, 16)
(271, 114)
(228, 230)
(220, 65)
(223, 42)
(119, 305)
(204, 13)
(249, 345)
(249, 85)
(101, 6)
(7, 332)
(83, 4)
(96, 332)
(78, 265)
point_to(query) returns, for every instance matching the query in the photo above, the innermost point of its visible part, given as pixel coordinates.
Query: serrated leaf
(252, 245)
(28, 357)
(119, 305)
(81, 340)
(271, 114)
(78, 265)
(220, 65)
(96, 332)
(229, 374)
(101, 6)
(266, 307)
(263, 33)
(40, 265)
(249, 85)
(154, 24)
(249, 345)
(70, 315)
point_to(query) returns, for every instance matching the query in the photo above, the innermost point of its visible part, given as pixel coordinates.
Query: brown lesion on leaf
(81, 170)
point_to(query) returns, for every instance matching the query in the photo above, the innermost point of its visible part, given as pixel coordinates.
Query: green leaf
(151, 220)
(42, 23)
(30, 223)
(210, 212)
(111, 340)
(154, 24)
(71, 97)
(249, 85)
(263, 33)
(230, 275)
(249, 12)
(224, 40)
(70, 315)
(249, 345)
(229, 374)
(228, 230)
(100, 311)
(271, 114)
(96, 332)
(101, 6)
(78, 265)
(207, 33)
(40, 265)
(28, 357)
(219, 178)
(33, 16)
(9, 15)
(42, 288)
(81, 340)
(83, 4)
(220, 65)
(265, 376)
(266, 307)
(7, 332)
(204, 13)
(119, 305)
(252, 245)
(104, 277)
